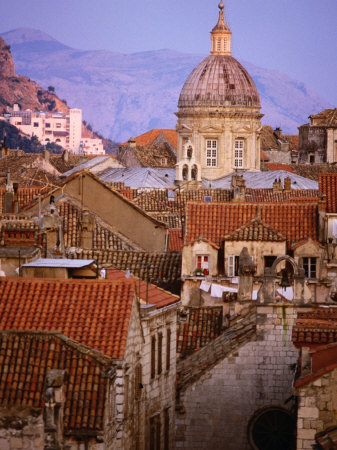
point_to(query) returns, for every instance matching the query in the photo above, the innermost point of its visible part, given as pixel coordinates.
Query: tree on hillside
(51, 89)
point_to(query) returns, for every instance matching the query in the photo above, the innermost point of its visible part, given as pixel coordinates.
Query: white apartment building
(62, 128)
(91, 146)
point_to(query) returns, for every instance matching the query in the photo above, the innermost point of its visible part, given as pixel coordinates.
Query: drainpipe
(166, 239)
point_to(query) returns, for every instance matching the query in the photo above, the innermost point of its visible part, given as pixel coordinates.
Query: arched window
(239, 147)
(194, 172)
(218, 44)
(225, 44)
(185, 172)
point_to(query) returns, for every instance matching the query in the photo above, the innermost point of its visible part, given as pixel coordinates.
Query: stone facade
(21, 429)
(317, 404)
(159, 374)
(217, 403)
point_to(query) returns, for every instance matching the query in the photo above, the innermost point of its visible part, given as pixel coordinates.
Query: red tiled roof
(327, 185)
(215, 220)
(263, 156)
(279, 166)
(268, 195)
(26, 358)
(176, 242)
(25, 194)
(315, 328)
(202, 325)
(323, 360)
(95, 313)
(150, 136)
(147, 292)
(255, 230)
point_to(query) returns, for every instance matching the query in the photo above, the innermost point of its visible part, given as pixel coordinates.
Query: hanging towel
(287, 293)
(204, 286)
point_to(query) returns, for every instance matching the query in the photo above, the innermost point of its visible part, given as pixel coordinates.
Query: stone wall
(317, 405)
(215, 406)
(22, 429)
(160, 388)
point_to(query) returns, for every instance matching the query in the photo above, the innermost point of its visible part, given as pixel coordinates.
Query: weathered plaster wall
(219, 405)
(189, 258)
(257, 249)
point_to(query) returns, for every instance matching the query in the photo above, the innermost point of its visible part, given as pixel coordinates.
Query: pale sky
(296, 37)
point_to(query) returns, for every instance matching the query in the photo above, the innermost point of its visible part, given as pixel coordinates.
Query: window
(153, 356)
(166, 429)
(47, 125)
(155, 432)
(218, 44)
(238, 153)
(163, 161)
(160, 352)
(35, 124)
(126, 395)
(211, 153)
(168, 349)
(138, 381)
(233, 266)
(309, 266)
(269, 260)
(225, 44)
(58, 125)
(202, 262)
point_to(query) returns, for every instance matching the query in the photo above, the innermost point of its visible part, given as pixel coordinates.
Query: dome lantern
(221, 35)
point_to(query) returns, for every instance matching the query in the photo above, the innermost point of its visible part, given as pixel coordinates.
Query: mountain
(124, 95)
(20, 89)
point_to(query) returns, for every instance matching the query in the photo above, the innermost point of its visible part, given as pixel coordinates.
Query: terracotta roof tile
(149, 137)
(74, 307)
(327, 117)
(154, 266)
(146, 292)
(279, 166)
(268, 195)
(312, 171)
(25, 194)
(315, 327)
(176, 241)
(202, 325)
(86, 378)
(327, 184)
(255, 230)
(215, 220)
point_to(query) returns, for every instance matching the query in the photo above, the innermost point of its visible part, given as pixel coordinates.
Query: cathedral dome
(219, 80)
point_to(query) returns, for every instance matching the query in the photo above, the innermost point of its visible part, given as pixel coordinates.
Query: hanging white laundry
(217, 290)
(334, 228)
(254, 294)
(287, 293)
(204, 286)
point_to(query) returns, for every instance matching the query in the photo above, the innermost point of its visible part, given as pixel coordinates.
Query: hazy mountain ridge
(127, 94)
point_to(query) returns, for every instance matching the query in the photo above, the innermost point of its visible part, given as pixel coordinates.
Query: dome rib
(219, 80)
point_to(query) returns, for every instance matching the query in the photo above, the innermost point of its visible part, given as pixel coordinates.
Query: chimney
(305, 361)
(54, 409)
(238, 187)
(287, 184)
(278, 132)
(46, 155)
(132, 142)
(65, 156)
(15, 206)
(277, 186)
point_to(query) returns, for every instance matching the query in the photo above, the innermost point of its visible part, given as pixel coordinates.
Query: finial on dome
(221, 35)
(221, 6)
